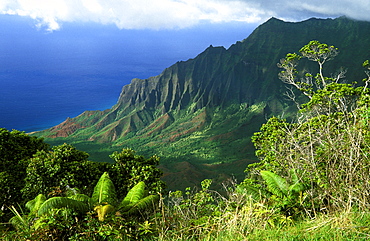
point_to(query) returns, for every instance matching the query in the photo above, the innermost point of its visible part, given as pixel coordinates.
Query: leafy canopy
(16, 148)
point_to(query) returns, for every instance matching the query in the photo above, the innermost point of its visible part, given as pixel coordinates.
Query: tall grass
(209, 215)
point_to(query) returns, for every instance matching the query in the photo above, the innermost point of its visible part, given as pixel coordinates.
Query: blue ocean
(46, 77)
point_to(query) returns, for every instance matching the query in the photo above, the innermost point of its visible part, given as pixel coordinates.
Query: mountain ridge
(204, 110)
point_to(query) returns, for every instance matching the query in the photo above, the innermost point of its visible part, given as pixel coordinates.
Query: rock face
(207, 108)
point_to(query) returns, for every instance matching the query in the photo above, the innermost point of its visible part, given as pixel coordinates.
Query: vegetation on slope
(204, 111)
(311, 182)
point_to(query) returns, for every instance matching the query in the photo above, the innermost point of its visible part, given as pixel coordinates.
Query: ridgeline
(198, 115)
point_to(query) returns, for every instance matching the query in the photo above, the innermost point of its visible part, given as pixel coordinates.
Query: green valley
(204, 111)
(207, 120)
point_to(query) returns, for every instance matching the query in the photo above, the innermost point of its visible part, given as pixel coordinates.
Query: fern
(62, 202)
(104, 191)
(275, 183)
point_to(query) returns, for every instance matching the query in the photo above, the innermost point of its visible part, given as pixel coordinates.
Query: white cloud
(303, 9)
(92, 6)
(159, 14)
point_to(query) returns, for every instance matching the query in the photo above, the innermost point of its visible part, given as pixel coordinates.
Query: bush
(329, 142)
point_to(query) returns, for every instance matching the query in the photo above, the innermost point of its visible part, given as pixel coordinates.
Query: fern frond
(62, 202)
(275, 183)
(134, 195)
(35, 204)
(143, 204)
(104, 191)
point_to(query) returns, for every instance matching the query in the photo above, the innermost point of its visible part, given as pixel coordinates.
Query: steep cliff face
(201, 82)
(207, 108)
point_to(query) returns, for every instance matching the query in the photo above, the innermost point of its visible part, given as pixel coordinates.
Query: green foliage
(80, 197)
(318, 52)
(62, 167)
(129, 169)
(52, 215)
(62, 202)
(35, 204)
(137, 200)
(146, 203)
(16, 148)
(286, 197)
(199, 215)
(309, 84)
(328, 141)
(254, 191)
(53, 173)
(20, 222)
(104, 191)
(195, 207)
(267, 140)
(134, 195)
(277, 185)
(209, 215)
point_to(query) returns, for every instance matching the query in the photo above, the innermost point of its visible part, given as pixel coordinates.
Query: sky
(177, 14)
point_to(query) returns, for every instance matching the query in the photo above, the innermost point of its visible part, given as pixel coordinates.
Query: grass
(245, 226)
(208, 215)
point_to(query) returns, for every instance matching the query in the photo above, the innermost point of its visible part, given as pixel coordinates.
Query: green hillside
(199, 115)
(312, 180)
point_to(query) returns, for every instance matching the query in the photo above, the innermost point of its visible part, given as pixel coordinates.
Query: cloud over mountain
(175, 14)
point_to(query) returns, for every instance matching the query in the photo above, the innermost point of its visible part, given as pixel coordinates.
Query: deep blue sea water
(47, 77)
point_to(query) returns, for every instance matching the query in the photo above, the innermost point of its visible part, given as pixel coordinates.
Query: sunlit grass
(238, 217)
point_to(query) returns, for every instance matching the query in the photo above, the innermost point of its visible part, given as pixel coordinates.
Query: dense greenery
(312, 180)
(52, 172)
(15, 149)
(30, 169)
(204, 110)
(328, 145)
(103, 204)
